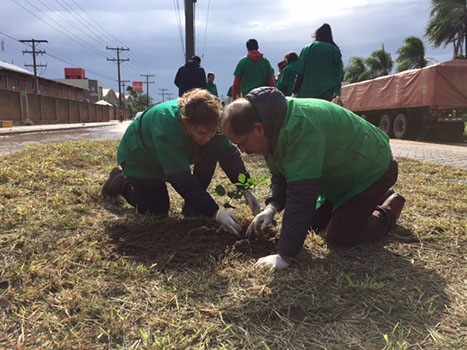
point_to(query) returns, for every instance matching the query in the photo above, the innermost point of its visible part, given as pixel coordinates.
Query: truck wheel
(385, 124)
(401, 126)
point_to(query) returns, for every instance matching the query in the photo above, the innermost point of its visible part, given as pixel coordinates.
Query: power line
(55, 54)
(206, 28)
(179, 22)
(85, 44)
(104, 31)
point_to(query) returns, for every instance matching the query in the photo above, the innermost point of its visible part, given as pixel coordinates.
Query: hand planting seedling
(244, 187)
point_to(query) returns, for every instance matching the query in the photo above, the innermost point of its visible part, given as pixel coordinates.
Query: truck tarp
(443, 85)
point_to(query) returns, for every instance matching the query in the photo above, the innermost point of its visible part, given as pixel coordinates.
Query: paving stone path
(451, 155)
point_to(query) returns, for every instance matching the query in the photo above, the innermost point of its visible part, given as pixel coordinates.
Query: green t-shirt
(156, 146)
(253, 74)
(212, 88)
(287, 78)
(321, 65)
(320, 140)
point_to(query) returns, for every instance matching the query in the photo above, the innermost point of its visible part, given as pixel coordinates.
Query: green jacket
(321, 65)
(253, 74)
(156, 146)
(212, 88)
(320, 140)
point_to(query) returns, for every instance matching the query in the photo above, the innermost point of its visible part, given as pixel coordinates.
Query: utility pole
(163, 93)
(169, 95)
(35, 52)
(123, 88)
(123, 84)
(118, 60)
(147, 86)
(189, 29)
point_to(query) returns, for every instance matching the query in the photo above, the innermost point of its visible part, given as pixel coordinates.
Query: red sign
(138, 86)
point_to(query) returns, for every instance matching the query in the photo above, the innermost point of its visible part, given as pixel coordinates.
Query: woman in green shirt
(319, 67)
(160, 145)
(286, 81)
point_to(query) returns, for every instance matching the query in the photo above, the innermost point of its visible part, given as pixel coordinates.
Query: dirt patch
(171, 241)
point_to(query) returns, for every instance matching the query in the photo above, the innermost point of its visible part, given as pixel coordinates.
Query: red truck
(414, 103)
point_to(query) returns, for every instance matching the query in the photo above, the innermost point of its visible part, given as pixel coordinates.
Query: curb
(54, 127)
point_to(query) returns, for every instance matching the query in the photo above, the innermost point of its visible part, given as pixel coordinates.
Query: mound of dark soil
(172, 242)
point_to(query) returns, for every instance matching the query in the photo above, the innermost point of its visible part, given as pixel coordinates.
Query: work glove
(264, 219)
(252, 202)
(229, 220)
(274, 261)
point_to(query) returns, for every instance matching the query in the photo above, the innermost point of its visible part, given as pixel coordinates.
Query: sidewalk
(55, 127)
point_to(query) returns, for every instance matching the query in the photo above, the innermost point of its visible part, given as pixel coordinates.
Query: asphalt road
(19, 139)
(12, 140)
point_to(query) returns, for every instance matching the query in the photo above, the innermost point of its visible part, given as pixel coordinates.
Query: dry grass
(79, 272)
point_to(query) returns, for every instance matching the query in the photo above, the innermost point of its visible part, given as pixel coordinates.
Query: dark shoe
(393, 206)
(113, 185)
(389, 192)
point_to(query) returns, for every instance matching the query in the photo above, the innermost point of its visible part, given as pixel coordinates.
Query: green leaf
(220, 190)
(242, 178)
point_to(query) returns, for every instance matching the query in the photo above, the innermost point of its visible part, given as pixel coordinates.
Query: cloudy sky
(78, 32)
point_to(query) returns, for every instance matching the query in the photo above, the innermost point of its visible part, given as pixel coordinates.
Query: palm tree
(356, 70)
(379, 63)
(411, 55)
(448, 24)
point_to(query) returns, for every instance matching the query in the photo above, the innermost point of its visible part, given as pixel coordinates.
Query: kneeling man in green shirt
(313, 149)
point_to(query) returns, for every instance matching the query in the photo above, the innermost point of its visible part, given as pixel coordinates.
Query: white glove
(229, 220)
(274, 261)
(252, 202)
(264, 219)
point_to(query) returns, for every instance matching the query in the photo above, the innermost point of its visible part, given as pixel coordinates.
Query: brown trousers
(361, 219)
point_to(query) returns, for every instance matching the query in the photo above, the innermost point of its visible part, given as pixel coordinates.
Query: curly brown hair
(200, 108)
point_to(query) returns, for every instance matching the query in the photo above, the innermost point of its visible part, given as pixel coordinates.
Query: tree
(139, 100)
(411, 55)
(379, 63)
(448, 24)
(356, 70)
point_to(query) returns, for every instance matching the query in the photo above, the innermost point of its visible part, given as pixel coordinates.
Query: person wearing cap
(159, 146)
(252, 71)
(316, 148)
(190, 76)
(319, 67)
(210, 86)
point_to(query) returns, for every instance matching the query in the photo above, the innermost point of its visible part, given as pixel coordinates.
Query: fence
(21, 107)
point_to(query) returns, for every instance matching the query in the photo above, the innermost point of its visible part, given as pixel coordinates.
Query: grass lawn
(81, 272)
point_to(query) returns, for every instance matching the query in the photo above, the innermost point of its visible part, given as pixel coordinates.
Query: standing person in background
(190, 76)
(319, 67)
(228, 99)
(159, 146)
(289, 73)
(281, 65)
(210, 86)
(252, 71)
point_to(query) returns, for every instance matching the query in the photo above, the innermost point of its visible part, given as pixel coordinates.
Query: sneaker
(112, 186)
